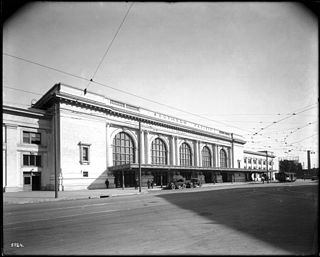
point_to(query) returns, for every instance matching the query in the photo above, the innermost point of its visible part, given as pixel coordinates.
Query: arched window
(158, 152)
(223, 159)
(206, 157)
(185, 155)
(123, 149)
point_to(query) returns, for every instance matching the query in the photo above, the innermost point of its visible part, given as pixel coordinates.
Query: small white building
(260, 160)
(76, 141)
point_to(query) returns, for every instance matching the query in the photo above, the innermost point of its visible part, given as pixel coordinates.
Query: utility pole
(309, 161)
(139, 156)
(267, 167)
(56, 148)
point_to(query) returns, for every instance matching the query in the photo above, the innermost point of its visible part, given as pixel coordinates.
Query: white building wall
(85, 129)
(238, 155)
(13, 171)
(14, 148)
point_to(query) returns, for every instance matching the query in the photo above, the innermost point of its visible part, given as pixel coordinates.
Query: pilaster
(172, 151)
(217, 156)
(12, 172)
(109, 146)
(143, 147)
(147, 154)
(177, 151)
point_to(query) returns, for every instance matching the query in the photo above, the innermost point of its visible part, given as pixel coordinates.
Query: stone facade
(78, 150)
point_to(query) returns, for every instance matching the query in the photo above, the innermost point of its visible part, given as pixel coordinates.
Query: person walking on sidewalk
(148, 184)
(152, 184)
(107, 183)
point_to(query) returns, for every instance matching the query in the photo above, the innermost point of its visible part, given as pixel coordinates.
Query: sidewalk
(45, 196)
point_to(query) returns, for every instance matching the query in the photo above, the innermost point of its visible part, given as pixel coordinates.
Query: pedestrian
(262, 178)
(107, 183)
(152, 184)
(137, 182)
(148, 184)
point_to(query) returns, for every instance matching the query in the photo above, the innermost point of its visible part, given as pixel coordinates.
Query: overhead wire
(299, 128)
(294, 113)
(303, 139)
(25, 91)
(110, 44)
(120, 90)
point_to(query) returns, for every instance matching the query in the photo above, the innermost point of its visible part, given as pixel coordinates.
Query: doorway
(31, 181)
(161, 178)
(36, 182)
(226, 177)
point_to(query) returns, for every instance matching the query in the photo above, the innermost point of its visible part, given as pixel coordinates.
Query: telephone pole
(139, 156)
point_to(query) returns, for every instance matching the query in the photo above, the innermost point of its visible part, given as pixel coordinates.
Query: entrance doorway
(208, 177)
(161, 179)
(226, 177)
(128, 177)
(31, 181)
(36, 182)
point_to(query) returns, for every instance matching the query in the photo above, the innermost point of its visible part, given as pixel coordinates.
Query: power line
(302, 139)
(22, 90)
(292, 114)
(47, 67)
(85, 90)
(169, 106)
(299, 128)
(119, 90)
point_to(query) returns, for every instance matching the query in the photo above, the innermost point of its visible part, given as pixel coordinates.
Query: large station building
(76, 141)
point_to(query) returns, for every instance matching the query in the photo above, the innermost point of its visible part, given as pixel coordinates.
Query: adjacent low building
(75, 141)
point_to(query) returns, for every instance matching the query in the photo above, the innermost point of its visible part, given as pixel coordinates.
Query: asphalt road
(270, 220)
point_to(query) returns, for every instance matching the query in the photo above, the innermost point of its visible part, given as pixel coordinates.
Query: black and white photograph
(160, 128)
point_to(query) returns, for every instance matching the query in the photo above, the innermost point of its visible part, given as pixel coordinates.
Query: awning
(135, 166)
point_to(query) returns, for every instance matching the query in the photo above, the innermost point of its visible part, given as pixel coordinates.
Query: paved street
(263, 219)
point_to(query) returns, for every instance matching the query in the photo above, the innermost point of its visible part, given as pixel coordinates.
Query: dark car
(177, 184)
(193, 182)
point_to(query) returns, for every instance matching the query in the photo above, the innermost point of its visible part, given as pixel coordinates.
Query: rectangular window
(85, 174)
(84, 153)
(27, 180)
(32, 160)
(31, 138)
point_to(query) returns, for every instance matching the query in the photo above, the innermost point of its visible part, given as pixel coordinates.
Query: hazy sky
(241, 64)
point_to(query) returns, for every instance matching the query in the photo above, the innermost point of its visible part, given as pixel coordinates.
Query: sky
(248, 68)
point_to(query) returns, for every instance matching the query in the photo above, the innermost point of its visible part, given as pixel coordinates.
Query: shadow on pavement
(285, 217)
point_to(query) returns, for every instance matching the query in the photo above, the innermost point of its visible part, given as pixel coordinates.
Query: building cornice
(34, 113)
(260, 153)
(55, 94)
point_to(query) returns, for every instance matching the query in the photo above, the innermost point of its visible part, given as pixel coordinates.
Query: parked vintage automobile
(193, 182)
(177, 184)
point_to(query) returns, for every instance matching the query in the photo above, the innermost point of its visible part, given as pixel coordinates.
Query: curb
(216, 186)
